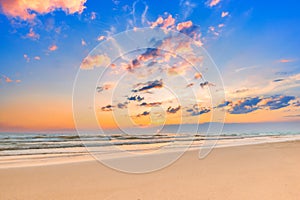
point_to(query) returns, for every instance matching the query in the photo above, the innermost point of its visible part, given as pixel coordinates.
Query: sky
(46, 45)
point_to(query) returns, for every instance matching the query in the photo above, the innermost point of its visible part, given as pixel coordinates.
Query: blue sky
(42, 46)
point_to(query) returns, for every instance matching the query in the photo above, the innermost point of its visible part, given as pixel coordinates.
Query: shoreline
(40, 160)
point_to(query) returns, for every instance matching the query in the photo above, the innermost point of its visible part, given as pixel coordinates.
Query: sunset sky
(254, 44)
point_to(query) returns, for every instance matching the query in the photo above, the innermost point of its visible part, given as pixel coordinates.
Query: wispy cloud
(224, 14)
(53, 47)
(187, 8)
(173, 110)
(101, 37)
(145, 113)
(104, 87)
(83, 42)
(122, 105)
(107, 108)
(206, 83)
(93, 15)
(286, 60)
(152, 104)
(92, 61)
(28, 9)
(149, 85)
(37, 58)
(33, 35)
(9, 80)
(197, 110)
(26, 57)
(212, 3)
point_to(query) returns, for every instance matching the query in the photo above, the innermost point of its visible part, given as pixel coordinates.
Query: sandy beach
(264, 171)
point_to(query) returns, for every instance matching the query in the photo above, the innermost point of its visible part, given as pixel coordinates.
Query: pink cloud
(18, 81)
(184, 25)
(23, 9)
(101, 37)
(285, 60)
(213, 3)
(37, 58)
(33, 35)
(164, 23)
(8, 80)
(159, 21)
(224, 14)
(92, 61)
(170, 21)
(53, 47)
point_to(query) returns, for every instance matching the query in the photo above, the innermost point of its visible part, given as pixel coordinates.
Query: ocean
(19, 148)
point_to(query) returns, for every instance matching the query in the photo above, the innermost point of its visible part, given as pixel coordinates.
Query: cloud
(101, 37)
(276, 102)
(134, 64)
(206, 83)
(224, 14)
(197, 75)
(149, 54)
(152, 104)
(212, 3)
(143, 17)
(226, 103)
(296, 104)
(8, 80)
(107, 108)
(190, 85)
(158, 22)
(196, 110)
(92, 61)
(93, 15)
(187, 7)
(244, 106)
(53, 47)
(250, 104)
(122, 105)
(106, 86)
(149, 85)
(26, 57)
(145, 113)
(241, 91)
(135, 98)
(28, 9)
(286, 60)
(18, 81)
(191, 31)
(32, 35)
(173, 110)
(184, 25)
(278, 80)
(83, 43)
(37, 58)
(164, 23)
